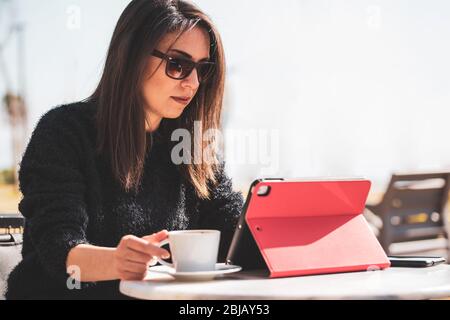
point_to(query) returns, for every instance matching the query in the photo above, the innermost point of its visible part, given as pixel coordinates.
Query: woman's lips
(181, 100)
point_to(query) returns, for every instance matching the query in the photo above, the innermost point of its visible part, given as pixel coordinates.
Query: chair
(412, 209)
(11, 229)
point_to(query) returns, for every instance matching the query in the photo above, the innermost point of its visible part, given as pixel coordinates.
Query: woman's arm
(87, 263)
(129, 261)
(53, 186)
(53, 189)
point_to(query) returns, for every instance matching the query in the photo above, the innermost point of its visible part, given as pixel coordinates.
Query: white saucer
(221, 269)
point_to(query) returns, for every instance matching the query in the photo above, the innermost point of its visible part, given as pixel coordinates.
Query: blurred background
(341, 87)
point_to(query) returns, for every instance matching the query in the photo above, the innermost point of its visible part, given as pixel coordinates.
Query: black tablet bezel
(243, 249)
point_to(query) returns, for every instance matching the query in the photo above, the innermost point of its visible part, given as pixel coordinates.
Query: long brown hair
(121, 115)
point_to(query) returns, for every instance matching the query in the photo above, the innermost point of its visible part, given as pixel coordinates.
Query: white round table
(392, 283)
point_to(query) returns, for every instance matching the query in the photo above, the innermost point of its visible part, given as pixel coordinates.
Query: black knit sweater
(70, 197)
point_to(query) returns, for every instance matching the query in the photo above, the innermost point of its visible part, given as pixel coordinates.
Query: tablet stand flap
(314, 228)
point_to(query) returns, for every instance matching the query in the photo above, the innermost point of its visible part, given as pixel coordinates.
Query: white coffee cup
(193, 250)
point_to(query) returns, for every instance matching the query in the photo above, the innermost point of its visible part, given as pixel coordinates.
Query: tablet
(294, 227)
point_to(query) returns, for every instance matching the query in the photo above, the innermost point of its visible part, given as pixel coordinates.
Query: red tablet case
(313, 227)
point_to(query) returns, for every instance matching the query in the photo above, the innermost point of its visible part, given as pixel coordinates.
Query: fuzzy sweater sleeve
(53, 193)
(222, 210)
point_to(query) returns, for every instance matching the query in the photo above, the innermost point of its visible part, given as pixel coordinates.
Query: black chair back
(413, 208)
(11, 230)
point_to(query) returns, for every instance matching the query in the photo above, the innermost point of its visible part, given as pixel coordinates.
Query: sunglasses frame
(194, 65)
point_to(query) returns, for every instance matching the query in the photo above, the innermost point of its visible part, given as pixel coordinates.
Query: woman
(100, 186)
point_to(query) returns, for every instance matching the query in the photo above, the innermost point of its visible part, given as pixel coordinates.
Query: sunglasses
(181, 68)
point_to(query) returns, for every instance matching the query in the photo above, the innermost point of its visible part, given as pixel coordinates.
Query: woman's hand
(134, 255)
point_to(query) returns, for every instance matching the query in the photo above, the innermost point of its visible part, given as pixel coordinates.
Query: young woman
(100, 186)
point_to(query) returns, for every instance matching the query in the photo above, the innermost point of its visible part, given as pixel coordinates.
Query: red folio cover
(313, 227)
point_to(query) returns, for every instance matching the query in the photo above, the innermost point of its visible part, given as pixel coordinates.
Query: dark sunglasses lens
(205, 71)
(174, 69)
(179, 69)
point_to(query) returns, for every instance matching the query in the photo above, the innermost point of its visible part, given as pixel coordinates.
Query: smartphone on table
(415, 261)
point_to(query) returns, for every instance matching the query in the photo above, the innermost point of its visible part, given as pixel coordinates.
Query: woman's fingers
(138, 257)
(153, 262)
(134, 267)
(144, 246)
(134, 255)
(157, 237)
(125, 275)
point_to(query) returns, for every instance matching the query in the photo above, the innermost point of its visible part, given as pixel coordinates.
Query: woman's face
(159, 90)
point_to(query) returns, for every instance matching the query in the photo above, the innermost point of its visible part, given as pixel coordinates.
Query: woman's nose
(192, 80)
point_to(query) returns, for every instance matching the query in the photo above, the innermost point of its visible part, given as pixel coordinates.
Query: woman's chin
(175, 112)
(174, 115)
